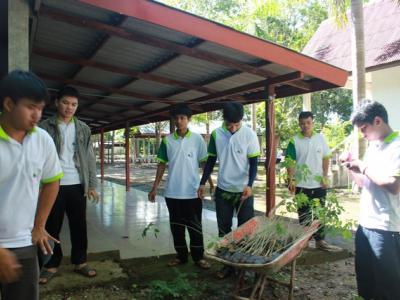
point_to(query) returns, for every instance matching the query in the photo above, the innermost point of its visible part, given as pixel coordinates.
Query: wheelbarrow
(262, 271)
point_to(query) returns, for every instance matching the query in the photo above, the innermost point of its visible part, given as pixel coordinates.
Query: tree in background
(290, 23)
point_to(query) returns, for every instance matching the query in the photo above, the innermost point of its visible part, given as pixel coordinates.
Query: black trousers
(27, 287)
(304, 212)
(226, 203)
(186, 214)
(72, 202)
(377, 264)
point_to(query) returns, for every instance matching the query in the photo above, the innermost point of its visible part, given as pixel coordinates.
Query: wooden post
(102, 154)
(171, 125)
(127, 159)
(270, 159)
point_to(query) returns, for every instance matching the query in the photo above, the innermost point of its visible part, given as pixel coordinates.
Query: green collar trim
(391, 137)
(72, 120)
(33, 130)
(187, 135)
(301, 135)
(6, 137)
(226, 128)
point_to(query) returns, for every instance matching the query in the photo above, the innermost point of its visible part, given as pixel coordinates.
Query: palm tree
(339, 9)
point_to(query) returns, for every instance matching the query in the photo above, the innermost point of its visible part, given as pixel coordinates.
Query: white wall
(386, 90)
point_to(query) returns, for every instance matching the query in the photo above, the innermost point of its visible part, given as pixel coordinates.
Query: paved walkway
(119, 219)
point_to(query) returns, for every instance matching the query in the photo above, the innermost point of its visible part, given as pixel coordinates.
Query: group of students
(51, 171)
(45, 172)
(237, 149)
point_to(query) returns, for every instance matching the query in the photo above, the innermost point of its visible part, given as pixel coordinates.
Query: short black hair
(233, 112)
(67, 91)
(181, 109)
(366, 112)
(306, 115)
(20, 84)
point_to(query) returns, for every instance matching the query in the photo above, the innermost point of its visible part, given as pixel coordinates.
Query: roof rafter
(119, 70)
(160, 43)
(141, 97)
(278, 80)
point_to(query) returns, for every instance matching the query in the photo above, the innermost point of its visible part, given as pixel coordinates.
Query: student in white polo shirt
(309, 149)
(28, 158)
(237, 149)
(183, 151)
(377, 241)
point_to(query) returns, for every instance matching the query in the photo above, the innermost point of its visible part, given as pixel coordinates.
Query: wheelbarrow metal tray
(247, 229)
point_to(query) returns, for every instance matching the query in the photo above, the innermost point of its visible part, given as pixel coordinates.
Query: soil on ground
(150, 278)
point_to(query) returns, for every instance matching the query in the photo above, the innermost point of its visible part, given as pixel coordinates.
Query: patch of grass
(178, 288)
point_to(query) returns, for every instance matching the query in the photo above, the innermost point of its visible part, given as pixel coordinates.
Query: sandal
(47, 275)
(225, 272)
(203, 264)
(85, 271)
(175, 262)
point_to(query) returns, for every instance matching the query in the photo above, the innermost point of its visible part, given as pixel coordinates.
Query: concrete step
(108, 270)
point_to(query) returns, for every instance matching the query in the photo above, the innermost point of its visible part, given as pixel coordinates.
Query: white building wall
(386, 90)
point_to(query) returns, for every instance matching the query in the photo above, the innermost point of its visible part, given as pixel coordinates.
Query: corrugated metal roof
(135, 25)
(106, 108)
(41, 64)
(188, 95)
(100, 77)
(382, 38)
(234, 81)
(127, 54)
(227, 52)
(277, 69)
(190, 70)
(155, 106)
(88, 92)
(88, 45)
(64, 38)
(150, 88)
(81, 9)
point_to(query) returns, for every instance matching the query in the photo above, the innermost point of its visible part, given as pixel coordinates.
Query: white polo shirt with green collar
(183, 155)
(380, 209)
(23, 167)
(233, 152)
(310, 152)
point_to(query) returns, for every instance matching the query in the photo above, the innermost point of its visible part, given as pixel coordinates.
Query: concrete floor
(118, 220)
(117, 223)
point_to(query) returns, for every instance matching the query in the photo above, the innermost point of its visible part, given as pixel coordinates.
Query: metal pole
(270, 159)
(102, 154)
(127, 159)
(292, 277)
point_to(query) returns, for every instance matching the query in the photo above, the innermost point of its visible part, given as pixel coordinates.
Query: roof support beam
(279, 80)
(124, 71)
(141, 97)
(103, 102)
(173, 19)
(160, 43)
(92, 53)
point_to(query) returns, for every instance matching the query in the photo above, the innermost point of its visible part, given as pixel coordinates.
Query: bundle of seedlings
(269, 239)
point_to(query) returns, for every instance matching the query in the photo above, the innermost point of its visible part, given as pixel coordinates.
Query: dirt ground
(331, 281)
